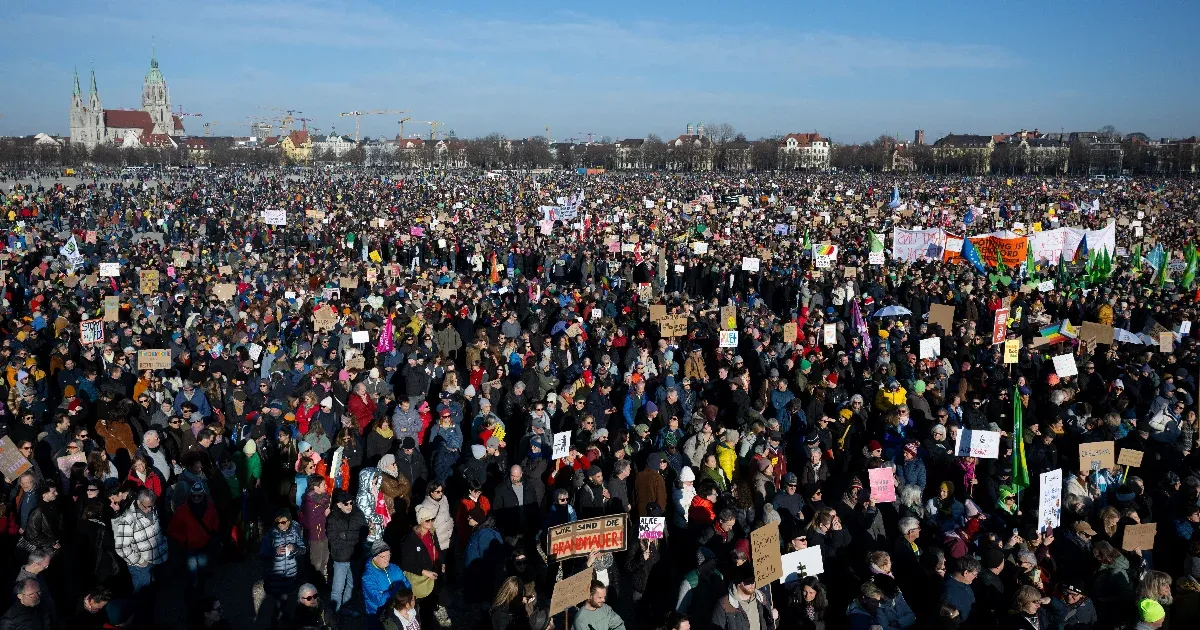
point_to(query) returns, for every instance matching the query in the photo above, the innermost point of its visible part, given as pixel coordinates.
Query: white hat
(327, 402)
(686, 474)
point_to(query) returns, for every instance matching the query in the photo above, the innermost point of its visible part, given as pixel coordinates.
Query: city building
(629, 154)
(804, 151)
(919, 136)
(964, 153)
(297, 146)
(336, 145)
(92, 125)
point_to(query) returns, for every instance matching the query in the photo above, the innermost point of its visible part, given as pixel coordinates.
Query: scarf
(384, 431)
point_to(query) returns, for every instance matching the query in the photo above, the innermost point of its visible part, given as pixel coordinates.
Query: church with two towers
(151, 126)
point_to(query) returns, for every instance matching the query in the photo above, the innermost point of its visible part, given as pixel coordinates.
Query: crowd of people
(362, 374)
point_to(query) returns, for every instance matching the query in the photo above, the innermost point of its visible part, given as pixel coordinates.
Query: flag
(1136, 261)
(1020, 473)
(1157, 257)
(1030, 266)
(971, 254)
(386, 343)
(895, 202)
(1082, 250)
(876, 243)
(1189, 271)
(861, 326)
(807, 241)
(495, 275)
(969, 218)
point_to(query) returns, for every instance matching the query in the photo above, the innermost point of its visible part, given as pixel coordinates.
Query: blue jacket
(780, 400)
(482, 542)
(630, 408)
(958, 595)
(895, 614)
(912, 473)
(379, 584)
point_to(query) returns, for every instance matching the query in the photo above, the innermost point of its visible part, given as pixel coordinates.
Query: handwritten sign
(562, 445)
(1130, 457)
(91, 331)
(603, 533)
(225, 291)
(277, 216)
(1139, 537)
(1064, 365)
(148, 281)
(1166, 341)
(1050, 501)
(110, 269)
(729, 339)
(1093, 332)
(324, 318)
(728, 317)
(750, 264)
(360, 336)
(571, 591)
(829, 334)
(789, 332)
(764, 554)
(1012, 350)
(931, 348)
(1096, 452)
(977, 443)
(673, 327)
(112, 308)
(651, 527)
(658, 312)
(798, 565)
(875, 258)
(1000, 326)
(883, 485)
(154, 359)
(12, 463)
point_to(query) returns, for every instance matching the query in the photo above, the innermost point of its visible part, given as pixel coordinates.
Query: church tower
(156, 100)
(94, 117)
(78, 114)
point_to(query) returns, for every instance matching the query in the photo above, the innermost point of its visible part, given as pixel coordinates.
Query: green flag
(1189, 272)
(1020, 472)
(807, 241)
(875, 242)
(1136, 260)
(1030, 264)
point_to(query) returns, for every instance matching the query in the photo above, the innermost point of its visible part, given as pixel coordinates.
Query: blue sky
(621, 68)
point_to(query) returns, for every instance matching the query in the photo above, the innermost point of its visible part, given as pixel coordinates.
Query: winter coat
(414, 557)
(1081, 616)
(191, 532)
(138, 537)
(729, 615)
(446, 445)
(345, 533)
(280, 570)
(379, 584)
(412, 466)
(312, 516)
(514, 517)
(443, 519)
(369, 480)
(649, 487)
(1112, 589)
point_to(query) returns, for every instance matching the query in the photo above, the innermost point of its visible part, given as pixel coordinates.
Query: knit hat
(670, 438)
(379, 547)
(478, 450)
(918, 387)
(992, 558)
(686, 474)
(1150, 611)
(764, 464)
(874, 445)
(805, 364)
(912, 448)
(327, 402)
(651, 408)
(425, 513)
(249, 448)
(387, 462)
(640, 429)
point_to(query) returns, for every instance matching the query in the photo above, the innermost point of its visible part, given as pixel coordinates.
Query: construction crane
(358, 117)
(433, 125)
(588, 134)
(207, 125)
(304, 122)
(402, 121)
(548, 142)
(183, 114)
(286, 117)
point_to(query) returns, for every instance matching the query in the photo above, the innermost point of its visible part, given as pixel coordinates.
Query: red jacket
(304, 415)
(191, 533)
(362, 410)
(153, 481)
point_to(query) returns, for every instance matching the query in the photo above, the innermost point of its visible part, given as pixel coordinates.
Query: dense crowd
(364, 375)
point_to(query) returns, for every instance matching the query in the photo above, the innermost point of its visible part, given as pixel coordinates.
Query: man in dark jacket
(991, 597)
(411, 464)
(346, 529)
(515, 506)
(27, 611)
(592, 497)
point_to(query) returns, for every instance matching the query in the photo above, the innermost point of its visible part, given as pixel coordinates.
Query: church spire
(77, 91)
(153, 53)
(94, 90)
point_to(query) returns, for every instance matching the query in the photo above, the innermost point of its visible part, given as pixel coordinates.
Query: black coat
(514, 518)
(22, 617)
(414, 557)
(45, 526)
(345, 532)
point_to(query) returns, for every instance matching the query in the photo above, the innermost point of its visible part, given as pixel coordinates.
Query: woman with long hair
(380, 440)
(806, 604)
(346, 458)
(143, 475)
(511, 606)
(400, 612)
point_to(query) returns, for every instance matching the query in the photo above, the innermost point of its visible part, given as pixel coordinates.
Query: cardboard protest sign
(1166, 342)
(883, 484)
(942, 315)
(91, 331)
(1095, 333)
(446, 294)
(931, 348)
(1000, 326)
(324, 318)
(728, 339)
(1139, 537)
(148, 281)
(571, 591)
(764, 554)
(789, 332)
(561, 446)
(357, 362)
(112, 308)
(603, 533)
(673, 327)
(980, 444)
(1130, 457)
(728, 318)
(12, 463)
(1050, 500)
(314, 214)
(159, 359)
(658, 312)
(651, 527)
(348, 282)
(1064, 365)
(225, 291)
(1012, 349)
(798, 565)
(1092, 454)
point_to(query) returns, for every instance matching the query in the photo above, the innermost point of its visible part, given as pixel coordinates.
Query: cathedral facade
(151, 126)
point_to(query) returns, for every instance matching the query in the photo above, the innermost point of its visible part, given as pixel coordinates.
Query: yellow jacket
(727, 459)
(886, 401)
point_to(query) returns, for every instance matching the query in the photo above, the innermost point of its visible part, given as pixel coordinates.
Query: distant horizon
(850, 73)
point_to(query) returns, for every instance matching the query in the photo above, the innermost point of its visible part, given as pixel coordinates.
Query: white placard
(875, 258)
(1050, 501)
(1064, 365)
(829, 334)
(277, 216)
(651, 527)
(255, 351)
(699, 247)
(729, 338)
(678, 268)
(1045, 286)
(360, 336)
(931, 348)
(799, 564)
(750, 263)
(562, 445)
(1185, 327)
(110, 270)
(823, 262)
(980, 444)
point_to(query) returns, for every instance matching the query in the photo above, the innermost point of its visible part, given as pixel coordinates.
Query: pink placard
(416, 231)
(883, 485)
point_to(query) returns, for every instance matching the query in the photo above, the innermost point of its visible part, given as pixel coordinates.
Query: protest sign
(360, 336)
(1130, 457)
(1139, 537)
(112, 308)
(1166, 342)
(603, 533)
(1096, 453)
(728, 318)
(651, 527)
(314, 214)
(277, 216)
(699, 247)
(942, 315)
(883, 485)
(829, 334)
(348, 282)
(324, 318)
(764, 554)
(931, 348)
(977, 443)
(801, 564)
(750, 264)
(110, 269)
(12, 463)
(875, 258)
(1012, 349)
(1093, 332)
(1000, 326)
(91, 331)
(159, 359)
(571, 591)
(1050, 501)
(673, 327)
(148, 281)
(561, 446)
(1045, 286)
(1064, 365)
(225, 291)
(789, 332)
(658, 312)
(729, 339)
(356, 362)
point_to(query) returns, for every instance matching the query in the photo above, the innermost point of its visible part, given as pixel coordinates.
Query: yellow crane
(433, 125)
(402, 121)
(208, 124)
(358, 117)
(286, 118)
